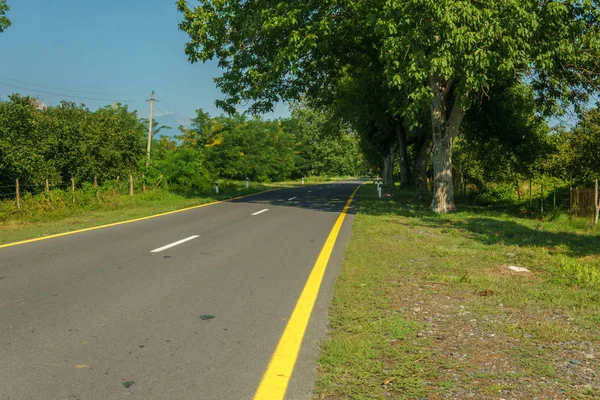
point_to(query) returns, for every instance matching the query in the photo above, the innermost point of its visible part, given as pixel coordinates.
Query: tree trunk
(388, 168)
(403, 155)
(444, 128)
(420, 170)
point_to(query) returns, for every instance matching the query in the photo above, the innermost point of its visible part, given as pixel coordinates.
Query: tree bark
(403, 155)
(444, 129)
(420, 170)
(388, 168)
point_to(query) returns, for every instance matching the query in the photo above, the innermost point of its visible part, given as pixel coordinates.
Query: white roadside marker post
(247, 182)
(217, 187)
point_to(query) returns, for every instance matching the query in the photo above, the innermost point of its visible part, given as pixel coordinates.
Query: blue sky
(109, 49)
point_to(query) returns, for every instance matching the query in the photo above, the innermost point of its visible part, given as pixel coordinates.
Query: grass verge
(425, 307)
(104, 205)
(38, 218)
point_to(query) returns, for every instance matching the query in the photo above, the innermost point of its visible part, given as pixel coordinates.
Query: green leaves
(476, 43)
(4, 21)
(577, 154)
(38, 142)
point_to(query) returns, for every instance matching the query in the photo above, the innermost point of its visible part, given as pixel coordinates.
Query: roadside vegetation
(67, 167)
(56, 212)
(426, 306)
(99, 206)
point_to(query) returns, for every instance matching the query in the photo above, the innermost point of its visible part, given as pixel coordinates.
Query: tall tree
(448, 53)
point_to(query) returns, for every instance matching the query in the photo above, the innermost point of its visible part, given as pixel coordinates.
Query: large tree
(449, 53)
(444, 54)
(4, 21)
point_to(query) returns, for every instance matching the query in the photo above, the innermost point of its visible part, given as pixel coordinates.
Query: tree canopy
(443, 54)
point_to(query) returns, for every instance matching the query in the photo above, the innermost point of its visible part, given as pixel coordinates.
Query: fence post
(571, 204)
(18, 195)
(518, 191)
(131, 185)
(73, 188)
(47, 192)
(116, 188)
(596, 205)
(555, 196)
(530, 208)
(144, 183)
(542, 201)
(95, 181)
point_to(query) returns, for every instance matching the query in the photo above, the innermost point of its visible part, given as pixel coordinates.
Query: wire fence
(77, 190)
(537, 196)
(580, 201)
(583, 202)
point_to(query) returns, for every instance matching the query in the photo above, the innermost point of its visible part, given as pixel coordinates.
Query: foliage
(502, 139)
(39, 142)
(4, 21)
(56, 143)
(577, 151)
(184, 168)
(440, 54)
(325, 147)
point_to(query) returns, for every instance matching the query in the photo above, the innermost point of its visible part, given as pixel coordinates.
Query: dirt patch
(506, 353)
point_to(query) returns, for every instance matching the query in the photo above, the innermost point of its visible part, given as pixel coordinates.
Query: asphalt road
(98, 315)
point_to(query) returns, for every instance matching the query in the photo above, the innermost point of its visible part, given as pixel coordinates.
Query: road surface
(184, 306)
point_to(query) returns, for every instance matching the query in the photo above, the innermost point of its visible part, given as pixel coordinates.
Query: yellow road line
(276, 379)
(128, 221)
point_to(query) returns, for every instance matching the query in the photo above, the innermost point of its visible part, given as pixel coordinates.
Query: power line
(68, 90)
(36, 91)
(171, 108)
(166, 104)
(163, 111)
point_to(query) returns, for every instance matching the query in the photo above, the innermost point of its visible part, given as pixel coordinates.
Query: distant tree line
(38, 142)
(238, 147)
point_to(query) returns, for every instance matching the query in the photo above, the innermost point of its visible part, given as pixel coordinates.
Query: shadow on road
(329, 197)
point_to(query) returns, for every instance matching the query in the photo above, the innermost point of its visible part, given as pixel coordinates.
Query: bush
(502, 192)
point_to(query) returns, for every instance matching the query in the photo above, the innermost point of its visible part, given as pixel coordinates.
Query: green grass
(98, 206)
(40, 218)
(427, 301)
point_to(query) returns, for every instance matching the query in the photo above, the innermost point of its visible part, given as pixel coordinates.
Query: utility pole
(149, 130)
